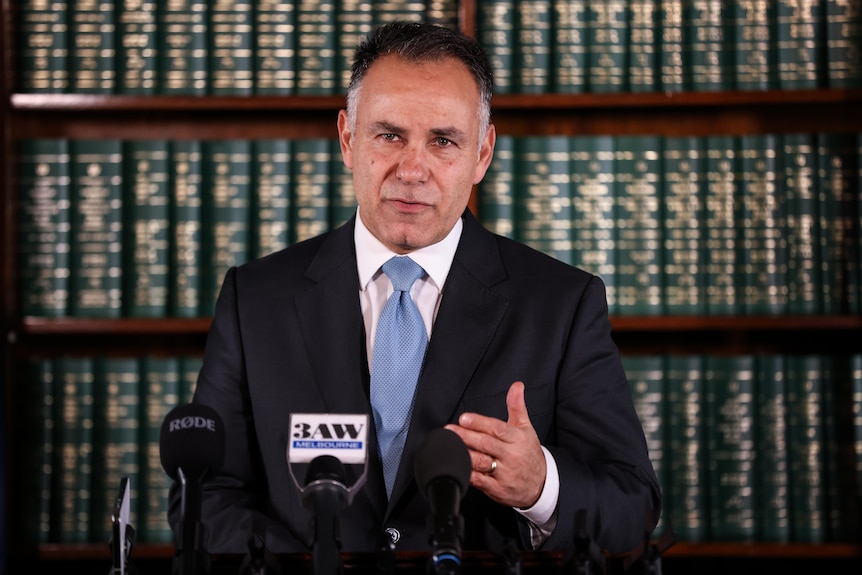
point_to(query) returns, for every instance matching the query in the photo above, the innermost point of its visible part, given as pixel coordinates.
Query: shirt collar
(435, 259)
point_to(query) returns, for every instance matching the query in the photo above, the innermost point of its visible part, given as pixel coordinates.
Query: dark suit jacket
(288, 337)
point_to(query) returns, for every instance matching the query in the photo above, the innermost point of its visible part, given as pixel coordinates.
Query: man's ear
(486, 152)
(345, 139)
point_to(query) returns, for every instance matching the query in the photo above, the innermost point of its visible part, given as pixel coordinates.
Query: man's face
(415, 151)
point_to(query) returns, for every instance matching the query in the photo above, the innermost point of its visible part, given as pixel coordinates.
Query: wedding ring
(493, 467)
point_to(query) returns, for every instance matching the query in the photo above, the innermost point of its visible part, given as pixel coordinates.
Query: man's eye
(444, 142)
(389, 137)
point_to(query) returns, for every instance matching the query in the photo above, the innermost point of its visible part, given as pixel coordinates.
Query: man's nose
(413, 165)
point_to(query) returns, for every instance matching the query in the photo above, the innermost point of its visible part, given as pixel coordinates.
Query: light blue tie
(399, 350)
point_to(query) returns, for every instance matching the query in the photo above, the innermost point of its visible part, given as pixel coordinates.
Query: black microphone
(325, 493)
(442, 470)
(191, 446)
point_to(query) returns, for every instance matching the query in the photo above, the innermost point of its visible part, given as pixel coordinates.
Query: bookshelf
(179, 117)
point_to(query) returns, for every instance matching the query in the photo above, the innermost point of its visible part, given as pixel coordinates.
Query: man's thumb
(517, 406)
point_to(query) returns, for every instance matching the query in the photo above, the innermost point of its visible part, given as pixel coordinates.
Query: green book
(226, 214)
(543, 204)
(443, 13)
(683, 195)
(674, 59)
(720, 218)
(805, 423)
(183, 47)
(532, 47)
(92, 51)
(43, 46)
(593, 223)
(146, 228)
(231, 38)
(772, 489)
(495, 23)
(116, 427)
(637, 165)
(312, 158)
(763, 253)
(96, 170)
(838, 189)
(73, 449)
(137, 47)
(385, 11)
(160, 392)
(353, 24)
(606, 34)
(686, 488)
(568, 47)
(643, 59)
(342, 201)
(754, 57)
(44, 235)
(274, 52)
(186, 221)
(843, 38)
(708, 43)
(800, 42)
(316, 46)
(730, 444)
(799, 183)
(37, 449)
(190, 367)
(496, 191)
(271, 196)
(856, 418)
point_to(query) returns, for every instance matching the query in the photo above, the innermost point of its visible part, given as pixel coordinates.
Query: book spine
(315, 47)
(92, 55)
(856, 417)
(186, 221)
(800, 40)
(44, 51)
(683, 226)
(160, 392)
(44, 230)
(754, 55)
(799, 183)
(496, 191)
(687, 479)
(353, 19)
(673, 60)
(643, 61)
(231, 61)
(137, 63)
(96, 247)
(146, 228)
(543, 205)
(594, 225)
(310, 174)
(386, 11)
(226, 213)
(710, 61)
(271, 186)
(443, 13)
(37, 436)
(496, 33)
(342, 201)
(274, 51)
(568, 48)
(843, 38)
(116, 417)
(772, 490)
(190, 367)
(183, 48)
(730, 404)
(607, 30)
(638, 231)
(763, 260)
(533, 47)
(722, 249)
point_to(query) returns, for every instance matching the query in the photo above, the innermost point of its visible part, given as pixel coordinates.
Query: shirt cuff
(543, 514)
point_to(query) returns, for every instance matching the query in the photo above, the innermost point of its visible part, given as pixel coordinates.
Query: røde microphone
(442, 471)
(191, 445)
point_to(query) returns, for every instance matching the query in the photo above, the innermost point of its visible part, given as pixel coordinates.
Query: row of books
(203, 47)
(718, 225)
(89, 422)
(761, 448)
(221, 47)
(571, 46)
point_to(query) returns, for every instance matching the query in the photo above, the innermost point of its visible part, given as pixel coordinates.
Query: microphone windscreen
(442, 454)
(192, 437)
(325, 467)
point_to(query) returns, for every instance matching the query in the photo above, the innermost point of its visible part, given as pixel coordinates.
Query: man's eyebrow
(384, 126)
(450, 133)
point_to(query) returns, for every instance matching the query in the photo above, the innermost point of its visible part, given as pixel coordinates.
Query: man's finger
(517, 406)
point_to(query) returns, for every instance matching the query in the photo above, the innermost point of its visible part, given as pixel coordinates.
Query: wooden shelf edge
(136, 326)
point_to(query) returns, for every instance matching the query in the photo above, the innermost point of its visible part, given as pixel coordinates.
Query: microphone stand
(190, 558)
(327, 498)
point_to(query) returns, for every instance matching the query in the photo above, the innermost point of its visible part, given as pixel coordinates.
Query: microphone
(191, 446)
(325, 493)
(442, 471)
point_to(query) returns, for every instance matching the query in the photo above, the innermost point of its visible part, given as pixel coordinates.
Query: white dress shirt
(427, 292)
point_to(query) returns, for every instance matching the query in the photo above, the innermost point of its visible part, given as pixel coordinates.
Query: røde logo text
(188, 422)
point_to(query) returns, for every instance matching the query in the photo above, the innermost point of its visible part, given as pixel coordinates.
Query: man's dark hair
(423, 42)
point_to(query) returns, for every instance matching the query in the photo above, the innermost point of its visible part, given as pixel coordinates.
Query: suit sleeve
(605, 473)
(233, 502)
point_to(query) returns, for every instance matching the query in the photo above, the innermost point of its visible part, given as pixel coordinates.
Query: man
(519, 359)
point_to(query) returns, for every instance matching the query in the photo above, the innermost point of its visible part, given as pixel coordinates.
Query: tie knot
(402, 272)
